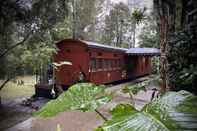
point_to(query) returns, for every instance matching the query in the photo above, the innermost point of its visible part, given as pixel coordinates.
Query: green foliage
(25, 34)
(174, 111)
(149, 36)
(138, 15)
(136, 88)
(84, 17)
(40, 55)
(182, 67)
(155, 65)
(116, 25)
(82, 96)
(62, 30)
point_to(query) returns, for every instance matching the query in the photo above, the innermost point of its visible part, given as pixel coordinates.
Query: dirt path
(83, 121)
(10, 117)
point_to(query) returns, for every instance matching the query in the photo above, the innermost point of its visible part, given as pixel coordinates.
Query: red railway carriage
(94, 62)
(99, 63)
(139, 61)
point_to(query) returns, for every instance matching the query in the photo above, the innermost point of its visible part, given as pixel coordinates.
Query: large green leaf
(134, 89)
(174, 111)
(82, 96)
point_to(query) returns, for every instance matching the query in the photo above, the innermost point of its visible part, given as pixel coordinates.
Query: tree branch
(4, 83)
(14, 46)
(101, 115)
(9, 78)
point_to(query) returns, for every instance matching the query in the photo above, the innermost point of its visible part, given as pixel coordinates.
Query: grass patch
(13, 91)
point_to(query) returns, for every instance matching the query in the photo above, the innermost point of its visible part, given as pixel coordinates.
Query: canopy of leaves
(84, 18)
(175, 111)
(138, 15)
(116, 25)
(182, 67)
(82, 96)
(25, 31)
(149, 36)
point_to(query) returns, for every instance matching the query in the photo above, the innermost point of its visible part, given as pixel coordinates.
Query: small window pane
(99, 63)
(108, 64)
(93, 64)
(119, 64)
(111, 63)
(105, 64)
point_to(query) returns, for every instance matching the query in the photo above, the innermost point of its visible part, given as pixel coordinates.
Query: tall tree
(116, 24)
(28, 18)
(84, 18)
(137, 16)
(163, 17)
(25, 25)
(149, 36)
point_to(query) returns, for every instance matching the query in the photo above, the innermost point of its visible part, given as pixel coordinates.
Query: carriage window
(93, 64)
(147, 61)
(105, 64)
(67, 50)
(143, 60)
(100, 54)
(108, 64)
(99, 63)
(111, 64)
(121, 63)
(116, 63)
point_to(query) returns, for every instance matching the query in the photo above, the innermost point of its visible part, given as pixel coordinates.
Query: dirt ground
(12, 95)
(77, 120)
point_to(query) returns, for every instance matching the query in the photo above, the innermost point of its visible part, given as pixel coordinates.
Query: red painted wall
(80, 55)
(76, 53)
(141, 65)
(106, 74)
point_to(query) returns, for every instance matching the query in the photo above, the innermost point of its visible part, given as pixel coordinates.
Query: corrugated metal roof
(131, 51)
(97, 45)
(143, 51)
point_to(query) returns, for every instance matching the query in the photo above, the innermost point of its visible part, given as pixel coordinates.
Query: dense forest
(177, 27)
(29, 29)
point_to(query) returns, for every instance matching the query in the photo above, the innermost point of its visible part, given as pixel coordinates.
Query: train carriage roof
(143, 51)
(131, 51)
(103, 46)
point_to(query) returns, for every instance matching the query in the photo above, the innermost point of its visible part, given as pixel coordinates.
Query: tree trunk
(163, 12)
(163, 58)
(74, 19)
(134, 35)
